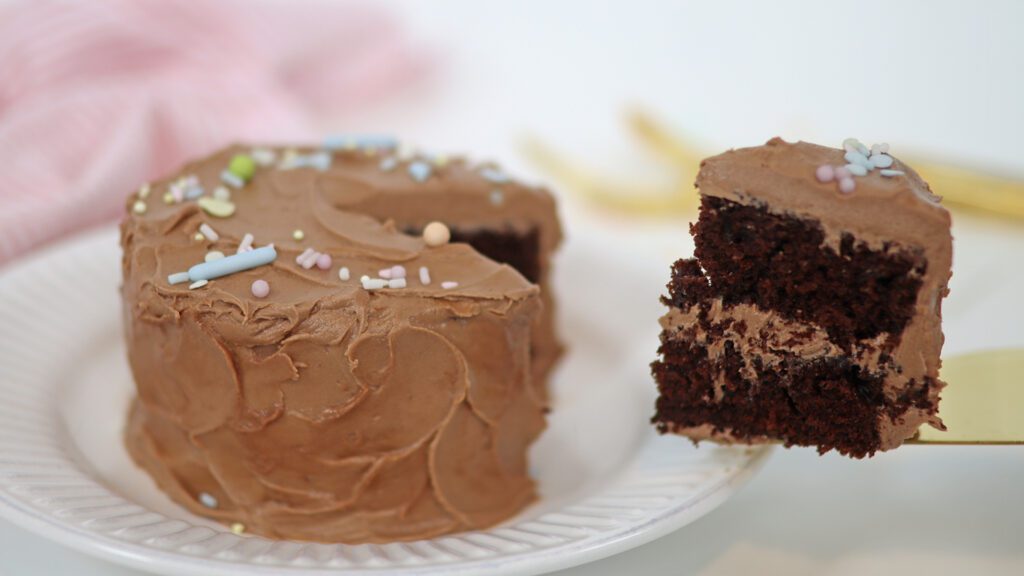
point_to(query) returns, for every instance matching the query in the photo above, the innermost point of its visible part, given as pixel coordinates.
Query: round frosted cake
(316, 360)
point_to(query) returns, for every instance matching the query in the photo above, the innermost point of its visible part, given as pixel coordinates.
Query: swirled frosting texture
(323, 411)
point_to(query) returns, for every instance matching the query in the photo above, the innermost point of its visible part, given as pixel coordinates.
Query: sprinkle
(385, 273)
(288, 159)
(144, 191)
(217, 208)
(263, 156)
(177, 278)
(198, 237)
(222, 193)
(243, 166)
(825, 173)
(846, 185)
(305, 254)
(497, 197)
(232, 264)
(238, 528)
(231, 179)
(351, 141)
(891, 173)
(388, 164)
(881, 160)
(309, 261)
(213, 255)
(857, 169)
(193, 192)
(323, 261)
(424, 276)
(441, 160)
(373, 283)
(198, 284)
(882, 148)
(842, 172)
(321, 161)
(260, 288)
(420, 171)
(448, 284)
(139, 207)
(207, 500)
(857, 158)
(245, 245)
(494, 175)
(854, 145)
(398, 271)
(436, 234)
(209, 232)
(344, 274)
(396, 283)
(298, 235)
(168, 198)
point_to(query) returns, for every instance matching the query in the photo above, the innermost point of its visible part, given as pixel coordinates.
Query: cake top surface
(885, 204)
(338, 202)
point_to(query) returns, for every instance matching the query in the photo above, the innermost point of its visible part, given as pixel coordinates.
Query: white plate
(607, 481)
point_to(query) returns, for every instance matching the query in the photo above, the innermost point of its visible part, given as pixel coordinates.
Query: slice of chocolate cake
(811, 313)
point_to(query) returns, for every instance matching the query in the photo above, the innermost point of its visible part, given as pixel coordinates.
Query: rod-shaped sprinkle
(231, 264)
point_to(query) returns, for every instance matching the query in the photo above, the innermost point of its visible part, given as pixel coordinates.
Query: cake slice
(811, 313)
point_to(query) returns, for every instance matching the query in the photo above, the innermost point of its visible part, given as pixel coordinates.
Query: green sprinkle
(243, 166)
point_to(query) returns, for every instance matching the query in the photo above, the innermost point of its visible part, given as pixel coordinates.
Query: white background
(944, 78)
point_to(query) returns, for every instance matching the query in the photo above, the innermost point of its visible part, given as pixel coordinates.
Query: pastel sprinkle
(344, 274)
(497, 197)
(306, 254)
(494, 175)
(217, 208)
(238, 528)
(842, 172)
(144, 191)
(846, 185)
(231, 179)
(384, 273)
(168, 198)
(177, 278)
(448, 284)
(298, 235)
(221, 193)
(856, 158)
(323, 261)
(209, 232)
(213, 255)
(246, 244)
(232, 264)
(854, 145)
(436, 234)
(398, 271)
(193, 192)
(198, 237)
(139, 207)
(388, 164)
(857, 169)
(441, 160)
(420, 171)
(243, 166)
(825, 173)
(881, 160)
(366, 141)
(309, 261)
(373, 283)
(260, 288)
(207, 500)
(263, 156)
(424, 276)
(891, 173)
(396, 283)
(882, 148)
(198, 284)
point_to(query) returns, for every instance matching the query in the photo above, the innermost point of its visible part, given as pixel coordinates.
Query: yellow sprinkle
(298, 235)
(139, 207)
(168, 198)
(199, 237)
(370, 151)
(238, 528)
(215, 207)
(440, 160)
(144, 191)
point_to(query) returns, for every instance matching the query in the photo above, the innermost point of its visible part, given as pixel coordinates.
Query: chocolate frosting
(325, 411)
(885, 213)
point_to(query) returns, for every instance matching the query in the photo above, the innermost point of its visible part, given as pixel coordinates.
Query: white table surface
(940, 77)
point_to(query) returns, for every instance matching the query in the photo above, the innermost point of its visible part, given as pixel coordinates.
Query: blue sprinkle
(230, 178)
(321, 161)
(193, 192)
(388, 164)
(494, 175)
(420, 170)
(177, 278)
(231, 264)
(376, 141)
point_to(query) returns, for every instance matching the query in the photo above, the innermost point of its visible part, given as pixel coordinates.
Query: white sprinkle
(448, 284)
(213, 255)
(344, 273)
(305, 254)
(882, 148)
(309, 261)
(144, 191)
(424, 275)
(854, 145)
(857, 169)
(891, 173)
(177, 278)
(494, 175)
(881, 160)
(384, 273)
(209, 232)
(856, 158)
(263, 156)
(398, 271)
(231, 179)
(373, 283)
(198, 284)
(388, 164)
(397, 283)
(139, 207)
(246, 244)
(497, 197)
(222, 193)
(207, 500)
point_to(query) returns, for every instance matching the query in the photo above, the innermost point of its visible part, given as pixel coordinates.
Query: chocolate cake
(308, 370)
(811, 312)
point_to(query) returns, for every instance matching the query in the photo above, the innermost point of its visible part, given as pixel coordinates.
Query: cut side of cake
(811, 312)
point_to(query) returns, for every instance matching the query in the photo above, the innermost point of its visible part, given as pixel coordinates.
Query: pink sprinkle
(260, 289)
(825, 173)
(846, 185)
(448, 285)
(323, 261)
(398, 271)
(841, 172)
(384, 273)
